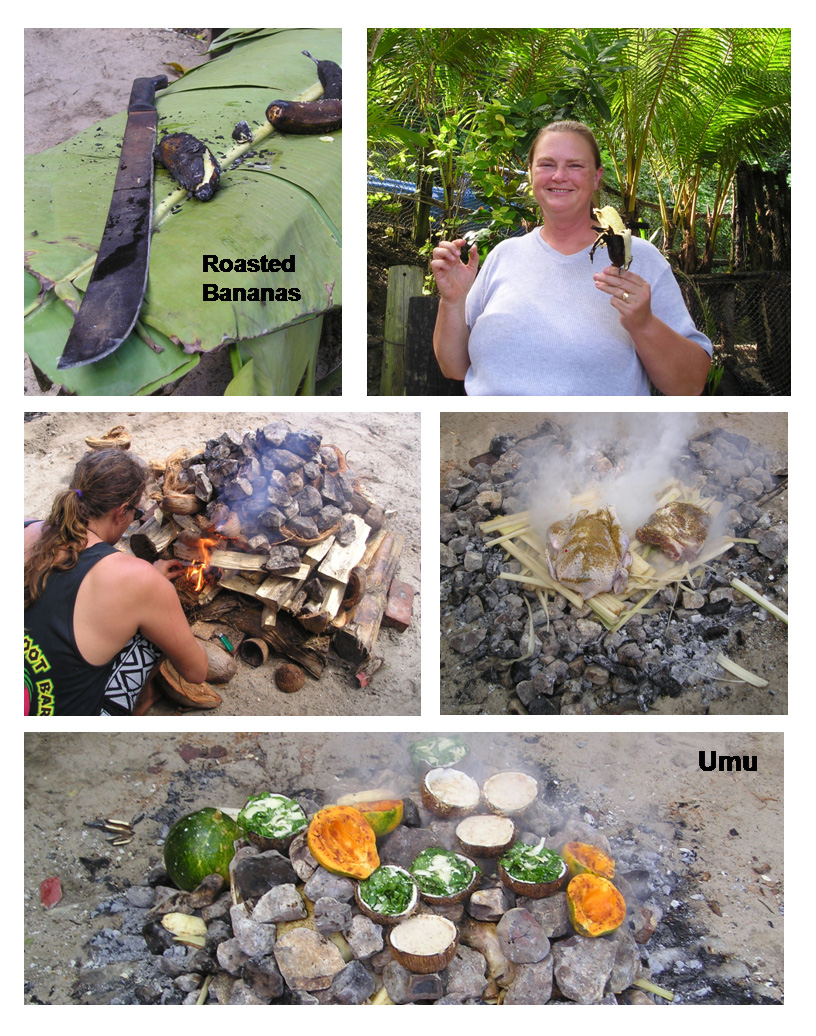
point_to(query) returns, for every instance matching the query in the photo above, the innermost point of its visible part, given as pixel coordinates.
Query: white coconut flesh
(486, 831)
(453, 788)
(423, 936)
(510, 792)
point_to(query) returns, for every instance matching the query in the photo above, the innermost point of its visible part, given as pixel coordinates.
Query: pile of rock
(297, 936)
(576, 666)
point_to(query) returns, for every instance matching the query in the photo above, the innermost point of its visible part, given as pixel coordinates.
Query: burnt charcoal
(311, 471)
(304, 527)
(305, 443)
(157, 938)
(309, 501)
(542, 706)
(501, 443)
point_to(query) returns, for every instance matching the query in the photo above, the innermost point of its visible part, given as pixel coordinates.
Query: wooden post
(403, 282)
(422, 374)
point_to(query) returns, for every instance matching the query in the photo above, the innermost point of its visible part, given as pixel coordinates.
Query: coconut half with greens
(424, 943)
(485, 835)
(443, 876)
(271, 821)
(449, 793)
(388, 895)
(533, 870)
(510, 792)
(438, 750)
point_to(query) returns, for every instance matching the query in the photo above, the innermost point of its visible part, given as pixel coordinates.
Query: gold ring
(625, 296)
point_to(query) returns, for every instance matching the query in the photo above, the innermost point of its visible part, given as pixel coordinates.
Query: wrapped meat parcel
(678, 529)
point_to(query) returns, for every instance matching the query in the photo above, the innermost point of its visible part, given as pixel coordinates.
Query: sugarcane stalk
(650, 987)
(757, 598)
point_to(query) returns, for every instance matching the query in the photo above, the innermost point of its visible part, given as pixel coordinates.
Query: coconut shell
(289, 678)
(221, 665)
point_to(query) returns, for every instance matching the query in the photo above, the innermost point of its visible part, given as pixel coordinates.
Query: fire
(196, 571)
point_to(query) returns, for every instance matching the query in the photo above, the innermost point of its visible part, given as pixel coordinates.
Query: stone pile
(577, 667)
(297, 936)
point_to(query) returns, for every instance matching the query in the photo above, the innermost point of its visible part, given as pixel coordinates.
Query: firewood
(286, 638)
(238, 561)
(355, 640)
(153, 538)
(341, 560)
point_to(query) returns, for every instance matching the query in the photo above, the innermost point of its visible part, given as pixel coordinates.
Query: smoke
(619, 459)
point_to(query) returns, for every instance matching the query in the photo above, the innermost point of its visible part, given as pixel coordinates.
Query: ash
(654, 871)
(577, 667)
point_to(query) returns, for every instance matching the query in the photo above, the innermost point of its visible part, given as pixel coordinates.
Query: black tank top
(58, 680)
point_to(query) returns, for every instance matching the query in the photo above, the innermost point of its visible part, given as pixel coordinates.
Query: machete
(117, 285)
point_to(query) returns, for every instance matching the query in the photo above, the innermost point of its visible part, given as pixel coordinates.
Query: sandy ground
(765, 649)
(720, 833)
(385, 451)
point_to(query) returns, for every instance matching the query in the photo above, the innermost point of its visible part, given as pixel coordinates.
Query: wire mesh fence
(748, 318)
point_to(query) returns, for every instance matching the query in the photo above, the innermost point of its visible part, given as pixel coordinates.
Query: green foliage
(674, 111)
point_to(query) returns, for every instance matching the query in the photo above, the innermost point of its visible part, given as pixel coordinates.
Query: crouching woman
(98, 620)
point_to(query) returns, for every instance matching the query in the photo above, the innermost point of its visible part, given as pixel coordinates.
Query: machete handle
(143, 92)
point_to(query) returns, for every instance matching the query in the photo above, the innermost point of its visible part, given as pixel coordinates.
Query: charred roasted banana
(330, 75)
(306, 116)
(614, 235)
(323, 116)
(190, 163)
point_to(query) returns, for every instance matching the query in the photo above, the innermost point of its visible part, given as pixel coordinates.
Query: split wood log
(355, 641)
(153, 538)
(339, 561)
(238, 561)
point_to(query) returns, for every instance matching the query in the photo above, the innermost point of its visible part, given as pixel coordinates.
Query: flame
(196, 571)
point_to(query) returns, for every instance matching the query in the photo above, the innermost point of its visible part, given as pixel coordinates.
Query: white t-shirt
(539, 326)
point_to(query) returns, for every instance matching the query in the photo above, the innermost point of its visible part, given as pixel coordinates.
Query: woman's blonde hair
(102, 481)
(568, 126)
(582, 130)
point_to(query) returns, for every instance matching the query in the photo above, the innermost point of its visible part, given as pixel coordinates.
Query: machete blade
(117, 285)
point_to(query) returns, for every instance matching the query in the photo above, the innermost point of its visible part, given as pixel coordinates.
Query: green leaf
(279, 364)
(285, 200)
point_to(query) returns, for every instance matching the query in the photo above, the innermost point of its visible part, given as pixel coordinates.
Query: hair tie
(78, 492)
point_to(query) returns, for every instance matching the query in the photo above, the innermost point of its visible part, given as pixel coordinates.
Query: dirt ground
(467, 435)
(383, 448)
(717, 837)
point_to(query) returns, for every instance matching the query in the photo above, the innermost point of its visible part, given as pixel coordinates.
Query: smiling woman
(536, 321)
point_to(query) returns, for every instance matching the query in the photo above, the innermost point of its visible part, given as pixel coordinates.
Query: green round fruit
(200, 844)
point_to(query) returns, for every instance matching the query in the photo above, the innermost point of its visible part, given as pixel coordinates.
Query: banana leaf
(280, 196)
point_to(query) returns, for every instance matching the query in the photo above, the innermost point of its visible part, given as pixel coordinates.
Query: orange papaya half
(343, 842)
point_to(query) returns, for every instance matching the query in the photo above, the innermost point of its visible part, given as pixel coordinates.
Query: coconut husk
(190, 695)
(117, 438)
